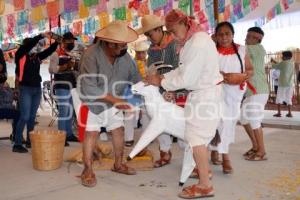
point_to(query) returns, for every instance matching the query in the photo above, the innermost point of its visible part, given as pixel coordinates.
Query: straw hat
(2, 6)
(141, 46)
(149, 22)
(117, 32)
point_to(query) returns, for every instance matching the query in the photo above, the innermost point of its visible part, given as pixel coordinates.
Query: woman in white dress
(198, 72)
(236, 68)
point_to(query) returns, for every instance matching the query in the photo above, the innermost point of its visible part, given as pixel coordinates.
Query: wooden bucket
(47, 149)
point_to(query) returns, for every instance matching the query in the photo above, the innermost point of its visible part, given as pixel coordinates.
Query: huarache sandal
(227, 169)
(257, 157)
(289, 115)
(165, 158)
(88, 180)
(250, 152)
(123, 169)
(195, 191)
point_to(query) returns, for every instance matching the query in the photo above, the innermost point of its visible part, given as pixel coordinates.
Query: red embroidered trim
(227, 50)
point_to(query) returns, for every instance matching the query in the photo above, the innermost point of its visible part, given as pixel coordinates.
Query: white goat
(165, 117)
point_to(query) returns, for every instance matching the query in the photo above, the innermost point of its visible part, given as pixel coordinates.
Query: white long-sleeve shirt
(198, 66)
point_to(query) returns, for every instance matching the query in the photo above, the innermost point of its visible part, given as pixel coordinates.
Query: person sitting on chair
(8, 109)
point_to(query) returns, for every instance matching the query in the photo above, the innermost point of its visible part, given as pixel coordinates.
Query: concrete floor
(277, 178)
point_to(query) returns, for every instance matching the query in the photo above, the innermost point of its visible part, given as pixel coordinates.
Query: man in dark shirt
(28, 82)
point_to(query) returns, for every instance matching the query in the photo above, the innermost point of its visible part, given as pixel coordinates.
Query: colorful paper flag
(128, 15)
(102, 6)
(19, 5)
(42, 25)
(77, 28)
(68, 17)
(209, 3)
(221, 6)
(37, 14)
(22, 18)
(197, 6)
(89, 3)
(103, 19)
(54, 21)
(157, 4)
(253, 4)
(202, 17)
(135, 22)
(210, 14)
(260, 22)
(11, 24)
(237, 10)
(278, 8)
(227, 13)
(271, 14)
(184, 5)
(119, 13)
(83, 11)
(71, 5)
(144, 9)
(285, 4)
(36, 3)
(168, 7)
(53, 8)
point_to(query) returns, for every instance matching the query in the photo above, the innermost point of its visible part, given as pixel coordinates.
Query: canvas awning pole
(216, 11)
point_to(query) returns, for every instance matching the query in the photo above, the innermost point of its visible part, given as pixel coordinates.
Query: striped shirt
(168, 55)
(259, 79)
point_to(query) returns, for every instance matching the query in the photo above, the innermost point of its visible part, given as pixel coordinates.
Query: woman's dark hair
(221, 24)
(230, 26)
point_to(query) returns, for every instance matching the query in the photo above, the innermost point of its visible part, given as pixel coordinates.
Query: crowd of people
(217, 81)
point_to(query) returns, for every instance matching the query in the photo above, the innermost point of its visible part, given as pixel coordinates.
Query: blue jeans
(29, 101)
(65, 110)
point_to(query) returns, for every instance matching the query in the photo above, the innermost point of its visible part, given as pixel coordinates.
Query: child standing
(285, 85)
(131, 118)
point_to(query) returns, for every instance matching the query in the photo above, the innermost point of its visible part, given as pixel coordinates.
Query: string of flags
(87, 16)
(279, 8)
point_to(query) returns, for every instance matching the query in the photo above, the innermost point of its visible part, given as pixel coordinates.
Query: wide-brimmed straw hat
(149, 22)
(117, 32)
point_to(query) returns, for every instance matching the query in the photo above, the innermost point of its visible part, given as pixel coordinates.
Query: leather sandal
(195, 191)
(257, 157)
(163, 160)
(227, 169)
(123, 169)
(250, 152)
(88, 180)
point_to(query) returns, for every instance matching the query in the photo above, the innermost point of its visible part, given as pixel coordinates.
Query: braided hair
(230, 26)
